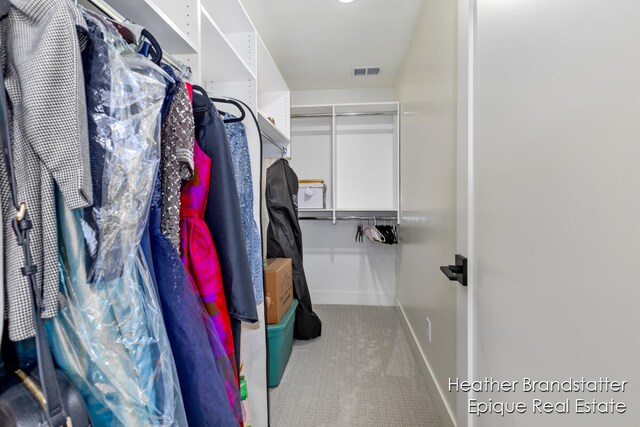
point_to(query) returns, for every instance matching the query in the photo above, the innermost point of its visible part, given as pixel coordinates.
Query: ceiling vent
(366, 71)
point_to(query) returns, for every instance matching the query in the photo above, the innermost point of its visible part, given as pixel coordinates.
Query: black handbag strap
(54, 410)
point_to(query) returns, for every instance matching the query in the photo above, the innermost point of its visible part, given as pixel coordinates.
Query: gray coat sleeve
(52, 111)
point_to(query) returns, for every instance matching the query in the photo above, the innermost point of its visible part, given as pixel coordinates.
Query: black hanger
(235, 104)
(156, 50)
(203, 108)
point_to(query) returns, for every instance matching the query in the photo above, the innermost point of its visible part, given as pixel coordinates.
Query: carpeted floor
(359, 373)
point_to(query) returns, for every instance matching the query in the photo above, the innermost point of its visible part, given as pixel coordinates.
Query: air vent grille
(366, 71)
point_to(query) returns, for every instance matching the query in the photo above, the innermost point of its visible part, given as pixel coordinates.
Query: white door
(555, 191)
(464, 201)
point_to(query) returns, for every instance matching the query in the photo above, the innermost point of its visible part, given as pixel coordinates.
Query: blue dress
(191, 334)
(239, 145)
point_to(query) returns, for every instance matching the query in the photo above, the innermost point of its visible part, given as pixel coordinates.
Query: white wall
(366, 171)
(427, 92)
(557, 178)
(342, 271)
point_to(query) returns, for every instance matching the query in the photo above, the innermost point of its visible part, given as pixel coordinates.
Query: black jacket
(223, 215)
(284, 240)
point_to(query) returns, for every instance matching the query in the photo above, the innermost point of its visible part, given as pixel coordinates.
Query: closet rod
(350, 218)
(376, 113)
(283, 150)
(113, 14)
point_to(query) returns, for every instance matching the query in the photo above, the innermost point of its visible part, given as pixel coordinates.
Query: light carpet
(361, 372)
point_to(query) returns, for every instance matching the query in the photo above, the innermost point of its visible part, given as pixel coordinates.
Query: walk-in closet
(327, 213)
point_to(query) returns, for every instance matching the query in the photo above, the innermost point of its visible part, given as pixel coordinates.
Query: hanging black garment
(284, 240)
(224, 217)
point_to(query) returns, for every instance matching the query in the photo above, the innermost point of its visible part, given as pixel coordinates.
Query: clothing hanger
(231, 101)
(373, 233)
(136, 35)
(204, 108)
(156, 50)
(235, 104)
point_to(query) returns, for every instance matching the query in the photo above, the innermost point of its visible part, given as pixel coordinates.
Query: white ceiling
(316, 43)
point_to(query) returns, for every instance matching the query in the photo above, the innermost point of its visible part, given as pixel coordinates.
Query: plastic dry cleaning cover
(109, 336)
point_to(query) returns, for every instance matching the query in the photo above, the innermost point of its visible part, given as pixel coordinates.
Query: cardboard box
(279, 289)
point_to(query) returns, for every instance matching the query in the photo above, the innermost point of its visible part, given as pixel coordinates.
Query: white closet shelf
(220, 60)
(271, 131)
(151, 16)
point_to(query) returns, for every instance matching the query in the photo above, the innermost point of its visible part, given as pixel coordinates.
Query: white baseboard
(447, 416)
(353, 298)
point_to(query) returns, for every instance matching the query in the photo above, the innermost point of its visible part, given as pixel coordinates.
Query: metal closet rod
(113, 14)
(313, 115)
(283, 150)
(351, 218)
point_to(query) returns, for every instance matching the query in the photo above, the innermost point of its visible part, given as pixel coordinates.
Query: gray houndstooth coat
(40, 55)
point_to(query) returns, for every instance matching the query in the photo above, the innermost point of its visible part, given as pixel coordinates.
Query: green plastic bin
(280, 345)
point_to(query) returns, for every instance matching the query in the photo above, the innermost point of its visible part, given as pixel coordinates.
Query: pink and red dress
(198, 252)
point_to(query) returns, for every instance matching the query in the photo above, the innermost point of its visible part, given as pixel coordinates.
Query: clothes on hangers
(194, 340)
(109, 336)
(237, 136)
(199, 253)
(223, 216)
(200, 257)
(40, 54)
(145, 340)
(204, 371)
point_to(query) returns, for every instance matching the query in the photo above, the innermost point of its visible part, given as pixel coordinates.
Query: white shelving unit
(273, 102)
(279, 142)
(351, 147)
(176, 28)
(218, 49)
(217, 39)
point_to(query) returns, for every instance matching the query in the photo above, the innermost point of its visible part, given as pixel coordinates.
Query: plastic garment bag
(109, 336)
